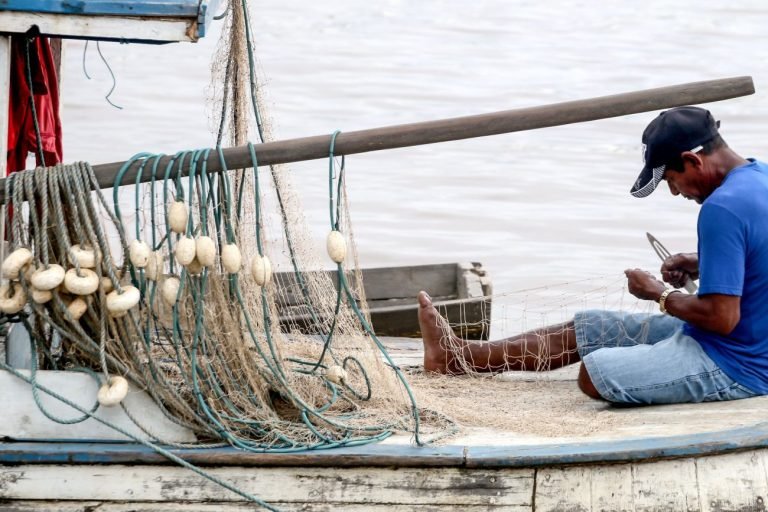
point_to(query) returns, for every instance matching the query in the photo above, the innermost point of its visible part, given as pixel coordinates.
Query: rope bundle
(213, 354)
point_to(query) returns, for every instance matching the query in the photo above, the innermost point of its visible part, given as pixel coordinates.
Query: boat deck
(708, 456)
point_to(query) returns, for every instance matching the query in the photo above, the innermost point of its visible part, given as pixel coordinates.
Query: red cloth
(45, 86)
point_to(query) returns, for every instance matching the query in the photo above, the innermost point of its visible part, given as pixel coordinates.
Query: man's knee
(585, 384)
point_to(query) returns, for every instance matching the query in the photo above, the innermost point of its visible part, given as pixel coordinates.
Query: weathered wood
(722, 483)
(512, 489)
(666, 485)
(5, 85)
(103, 506)
(387, 282)
(734, 481)
(400, 455)
(167, 8)
(57, 50)
(591, 488)
(5, 88)
(101, 27)
(457, 290)
(430, 132)
(716, 483)
(472, 281)
(560, 489)
(469, 319)
(611, 488)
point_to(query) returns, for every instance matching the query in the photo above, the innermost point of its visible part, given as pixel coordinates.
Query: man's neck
(725, 160)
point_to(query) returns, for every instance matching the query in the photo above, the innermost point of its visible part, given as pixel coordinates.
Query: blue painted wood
(201, 11)
(172, 8)
(629, 450)
(376, 455)
(389, 455)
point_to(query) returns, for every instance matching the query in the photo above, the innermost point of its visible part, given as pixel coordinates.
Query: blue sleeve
(722, 251)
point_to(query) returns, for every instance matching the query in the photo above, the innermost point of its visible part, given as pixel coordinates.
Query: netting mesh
(207, 341)
(533, 394)
(203, 336)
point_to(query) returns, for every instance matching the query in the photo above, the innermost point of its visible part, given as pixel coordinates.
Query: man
(710, 346)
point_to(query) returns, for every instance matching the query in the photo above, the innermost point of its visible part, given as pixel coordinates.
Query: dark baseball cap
(672, 133)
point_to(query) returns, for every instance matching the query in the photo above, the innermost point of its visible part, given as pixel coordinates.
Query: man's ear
(692, 158)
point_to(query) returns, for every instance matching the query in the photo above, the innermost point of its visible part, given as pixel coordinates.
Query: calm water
(538, 207)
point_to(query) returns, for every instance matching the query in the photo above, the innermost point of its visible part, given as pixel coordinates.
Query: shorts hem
(596, 376)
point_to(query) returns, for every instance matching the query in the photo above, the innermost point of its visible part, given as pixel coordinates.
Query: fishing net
(528, 325)
(185, 304)
(202, 336)
(533, 396)
(172, 288)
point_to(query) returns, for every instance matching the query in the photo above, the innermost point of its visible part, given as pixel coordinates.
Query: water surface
(536, 208)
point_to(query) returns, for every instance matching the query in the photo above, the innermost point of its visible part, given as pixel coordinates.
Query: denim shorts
(646, 359)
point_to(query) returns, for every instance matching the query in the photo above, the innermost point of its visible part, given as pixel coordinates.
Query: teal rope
(158, 449)
(351, 299)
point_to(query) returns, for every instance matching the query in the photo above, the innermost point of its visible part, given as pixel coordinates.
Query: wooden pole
(430, 132)
(5, 91)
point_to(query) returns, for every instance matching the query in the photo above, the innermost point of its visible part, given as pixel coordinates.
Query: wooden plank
(497, 450)
(666, 485)
(5, 85)
(512, 489)
(101, 27)
(374, 455)
(561, 489)
(619, 450)
(638, 487)
(469, 318)
(611, 488)
(386, 282)
(734, 481)
(175, 8)
(5, 88)
(472, 281)
(57, 49)
(406, 282)
(391, 294)
(102, 506)
(430, 132)
(596, 488)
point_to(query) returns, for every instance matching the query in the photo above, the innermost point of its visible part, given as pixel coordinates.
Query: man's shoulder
(744, 181)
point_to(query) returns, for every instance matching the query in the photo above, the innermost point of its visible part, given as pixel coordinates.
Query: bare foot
(437, 338)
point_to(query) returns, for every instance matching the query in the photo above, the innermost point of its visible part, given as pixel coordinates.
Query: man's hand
(643, 285)
(678, 268)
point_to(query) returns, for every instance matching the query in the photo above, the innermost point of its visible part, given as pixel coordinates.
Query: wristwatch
(663, 299)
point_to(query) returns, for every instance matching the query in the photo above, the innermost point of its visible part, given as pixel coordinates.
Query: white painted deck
(606, 422)
(698, 457)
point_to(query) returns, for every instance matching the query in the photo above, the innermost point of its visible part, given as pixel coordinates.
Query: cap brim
(649, 179)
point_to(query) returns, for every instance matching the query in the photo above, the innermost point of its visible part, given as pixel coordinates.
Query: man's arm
(712, 312)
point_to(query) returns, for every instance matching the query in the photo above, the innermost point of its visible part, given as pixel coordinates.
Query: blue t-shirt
(733, 260)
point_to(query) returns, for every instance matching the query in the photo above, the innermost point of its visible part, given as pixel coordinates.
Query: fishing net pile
(185, 308)
(175, 293)
(171, 287)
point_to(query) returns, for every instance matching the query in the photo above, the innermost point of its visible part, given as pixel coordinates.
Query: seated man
(710, 346)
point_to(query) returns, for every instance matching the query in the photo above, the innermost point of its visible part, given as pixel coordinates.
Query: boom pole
(430, 132)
